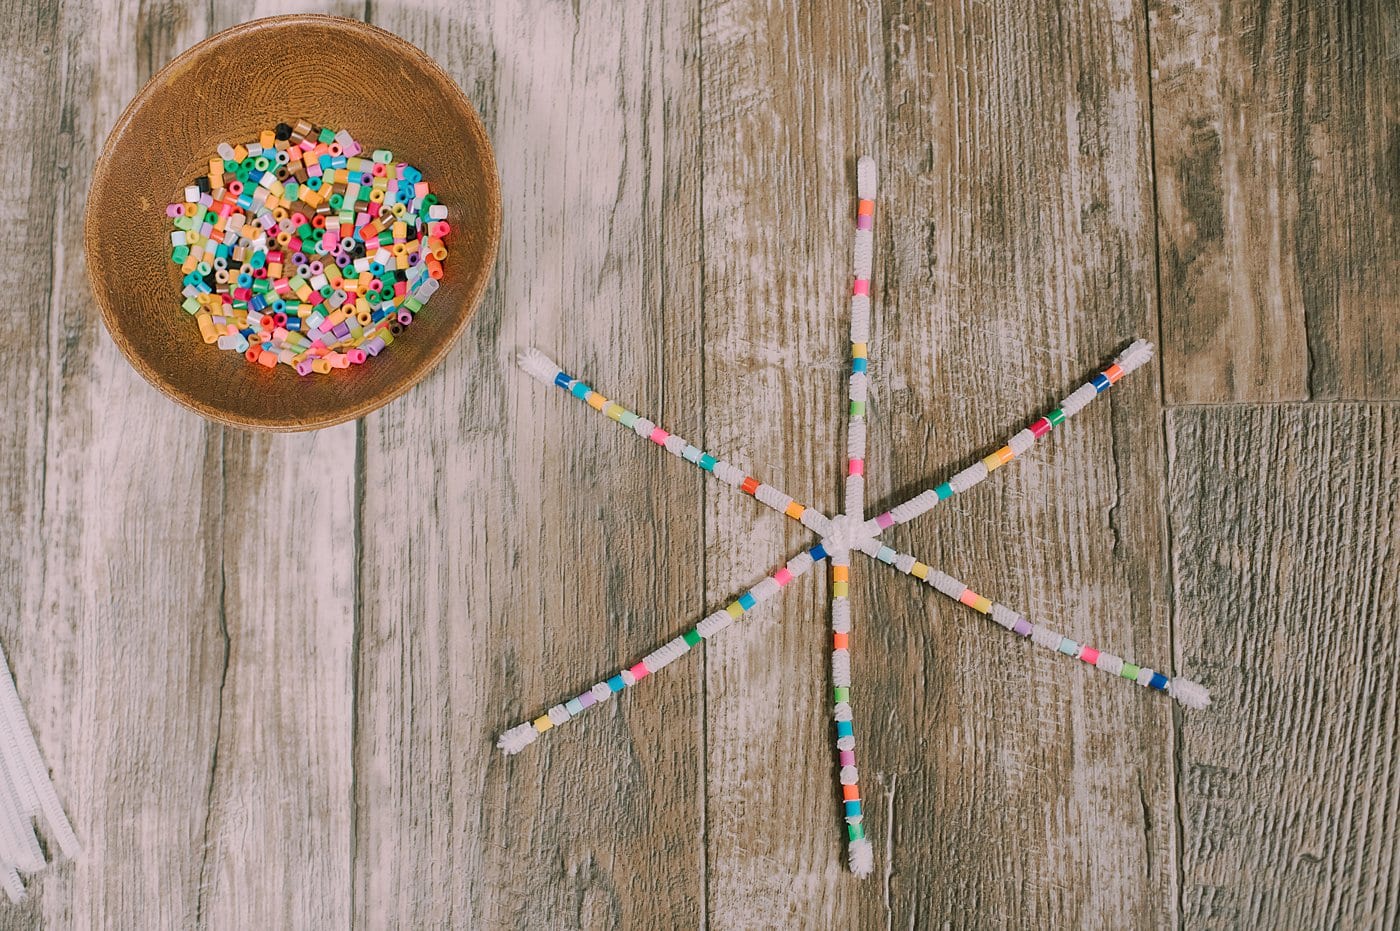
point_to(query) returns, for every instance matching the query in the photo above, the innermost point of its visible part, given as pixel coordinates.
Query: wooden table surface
(268, 671)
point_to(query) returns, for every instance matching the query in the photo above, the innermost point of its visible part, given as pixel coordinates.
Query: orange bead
(839, 641)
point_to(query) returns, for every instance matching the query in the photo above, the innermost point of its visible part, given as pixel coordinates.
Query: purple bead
(864, 221)
(587, 700)
(1023, 627)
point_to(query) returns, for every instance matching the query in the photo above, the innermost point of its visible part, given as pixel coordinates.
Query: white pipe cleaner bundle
(844, 534)
(25, 793)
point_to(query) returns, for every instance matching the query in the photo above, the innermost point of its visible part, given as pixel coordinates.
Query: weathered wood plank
(276, 849)
(112, 562)
(1014, 236)
(1017, 230)
(782, 124)
(517, 547)
(1283, 522)
(1275, 128)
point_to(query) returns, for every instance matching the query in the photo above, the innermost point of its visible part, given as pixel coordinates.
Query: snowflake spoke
(1131, 358)
(859, 851)
(1189, 693)
(522, 735)
(860, 337)
(547, 370)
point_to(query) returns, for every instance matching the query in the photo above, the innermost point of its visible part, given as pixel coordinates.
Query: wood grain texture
(114, 628)
(1018, 259)
(781, 127)
(1284, 520)
(1015, 183)
(1278, 176)
(516, 546)
(247, 735)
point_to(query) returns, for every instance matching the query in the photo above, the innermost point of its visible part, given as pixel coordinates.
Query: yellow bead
(839, 589)
(542, 723)
(615, 411)
(920, 571)
(735, 609)
(857, 350)
(982, 604)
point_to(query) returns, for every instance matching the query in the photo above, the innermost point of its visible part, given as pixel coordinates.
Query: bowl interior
(330, 72)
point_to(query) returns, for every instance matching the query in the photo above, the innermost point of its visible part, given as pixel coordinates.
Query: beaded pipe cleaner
(843, 533)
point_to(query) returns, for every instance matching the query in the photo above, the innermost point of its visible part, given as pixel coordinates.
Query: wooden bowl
(331, 72)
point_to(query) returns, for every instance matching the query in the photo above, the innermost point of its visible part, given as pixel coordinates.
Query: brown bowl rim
(355, 408)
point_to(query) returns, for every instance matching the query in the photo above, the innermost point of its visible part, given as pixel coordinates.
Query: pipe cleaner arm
(1129, 359)
(542, 367)
(525, 733)
(1189, 693)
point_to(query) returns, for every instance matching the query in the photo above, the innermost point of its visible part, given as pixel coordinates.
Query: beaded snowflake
(840, 536)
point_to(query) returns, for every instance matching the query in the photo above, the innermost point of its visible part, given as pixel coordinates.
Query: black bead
(282, 131)
(202, 183)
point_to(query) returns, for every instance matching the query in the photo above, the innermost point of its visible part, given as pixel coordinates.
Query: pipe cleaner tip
(862, 857)
(865, 178)
(517, 739)
(1191, 694)
(1134, 356)
(538, 365)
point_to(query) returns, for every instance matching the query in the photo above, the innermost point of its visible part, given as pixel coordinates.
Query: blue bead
(845, 729)
(859, 365)
(580, 390)
(616, 683)
(562, 380)
(1159, 682)
(747, 601)
(818, 553)
(944, 491)
(1068, 647)
(1101, 383)
(707, 462)
(886, 555)
(691, 454)
(853, 808)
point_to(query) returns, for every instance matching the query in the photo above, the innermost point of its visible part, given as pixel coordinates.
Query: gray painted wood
(1284, 519)
(1278, 179)
(678, 182)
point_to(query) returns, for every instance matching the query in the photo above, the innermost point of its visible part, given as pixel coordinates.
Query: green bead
(326, 136)
(857, 408)
(411, 304)
(191, 306)
(692, 637)
(842, 693)
(1130, 671)
(179, 254)
(1056, 417)
(855, 831)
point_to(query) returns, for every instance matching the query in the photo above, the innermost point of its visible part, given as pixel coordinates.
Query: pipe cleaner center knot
(848, 532)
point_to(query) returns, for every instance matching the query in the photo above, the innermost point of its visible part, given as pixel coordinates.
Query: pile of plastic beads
(300, 249)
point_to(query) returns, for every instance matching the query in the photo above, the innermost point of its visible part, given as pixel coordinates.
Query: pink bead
(885, 520)
(1089, 655)
(782, 576)
(1040, 427)
(658, 436)
(640, 671)
(862, 286)
(864, 221)
(857, 467)
(848, 758)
